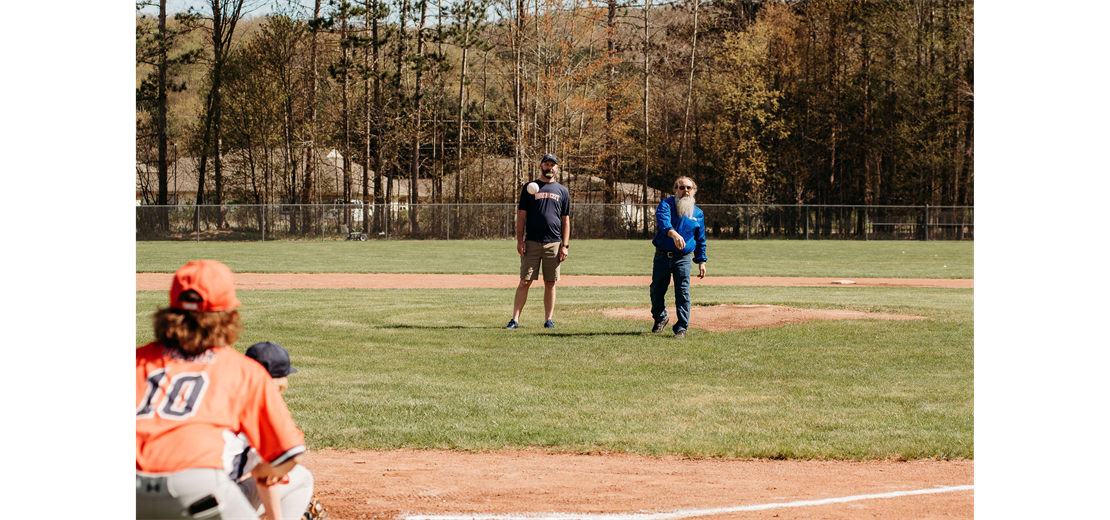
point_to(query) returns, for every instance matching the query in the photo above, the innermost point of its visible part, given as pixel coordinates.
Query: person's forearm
(270, 499)
(271, 473)
(566, 230)
(520, 219)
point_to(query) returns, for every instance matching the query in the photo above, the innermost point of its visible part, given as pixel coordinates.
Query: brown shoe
(660, 324)
(680, 334)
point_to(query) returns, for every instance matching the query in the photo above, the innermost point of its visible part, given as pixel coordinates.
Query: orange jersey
(184, 405)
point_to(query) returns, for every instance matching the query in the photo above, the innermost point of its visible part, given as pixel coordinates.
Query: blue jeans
(662, 270)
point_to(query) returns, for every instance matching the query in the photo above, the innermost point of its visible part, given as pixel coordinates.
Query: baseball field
(820, 379)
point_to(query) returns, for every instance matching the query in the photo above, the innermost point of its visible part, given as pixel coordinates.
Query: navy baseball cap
(272, 357)
(549, 157)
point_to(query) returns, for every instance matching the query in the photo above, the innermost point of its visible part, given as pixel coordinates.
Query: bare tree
(224, 15)
(689, 92)
(610, 95)
(342, 13)
(414, 186)
(163, 169)
(371, 105)
(153, 48)
(469, 26)
(647, 121)
(518, 94)
(310, 143)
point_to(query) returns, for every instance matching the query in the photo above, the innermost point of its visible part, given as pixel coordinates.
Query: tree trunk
(223, 30)
(647, 121)
(518, 95)
(163, 169)
(414, 187)
(346, 118)
(310, 146)
(610, 93)
(378, 111)
(689, 94)
(462, 101)
(366, 201)
(395, 160)
(217, 79)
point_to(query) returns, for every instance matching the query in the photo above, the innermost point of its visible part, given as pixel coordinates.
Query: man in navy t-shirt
(542, 238)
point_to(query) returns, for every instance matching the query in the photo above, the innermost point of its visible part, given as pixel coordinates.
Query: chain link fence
(254, 222)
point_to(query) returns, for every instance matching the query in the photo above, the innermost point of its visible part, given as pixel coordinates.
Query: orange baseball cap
(212, 280)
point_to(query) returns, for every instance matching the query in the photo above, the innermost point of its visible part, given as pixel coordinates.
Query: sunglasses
(685, 187)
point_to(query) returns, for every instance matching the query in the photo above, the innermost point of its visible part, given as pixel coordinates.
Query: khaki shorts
(537, 254)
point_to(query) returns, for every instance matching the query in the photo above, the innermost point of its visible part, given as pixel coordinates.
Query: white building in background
(182, 179)
(493, 175)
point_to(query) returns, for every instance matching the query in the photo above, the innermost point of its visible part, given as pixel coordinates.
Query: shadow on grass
(577, 334)
(536, 331)
(436, 327)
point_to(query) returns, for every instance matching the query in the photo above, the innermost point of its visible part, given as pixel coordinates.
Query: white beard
(685, 205)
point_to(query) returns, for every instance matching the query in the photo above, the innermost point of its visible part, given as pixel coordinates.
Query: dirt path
(401, 484)
(161, 281)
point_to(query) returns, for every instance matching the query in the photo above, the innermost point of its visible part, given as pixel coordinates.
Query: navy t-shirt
(545, 211)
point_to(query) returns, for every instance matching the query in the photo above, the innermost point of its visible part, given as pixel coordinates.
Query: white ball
(532, 188)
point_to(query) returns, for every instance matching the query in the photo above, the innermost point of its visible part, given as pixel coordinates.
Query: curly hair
(193, 332)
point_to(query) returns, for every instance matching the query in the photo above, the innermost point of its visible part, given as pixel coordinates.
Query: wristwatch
(566, 246)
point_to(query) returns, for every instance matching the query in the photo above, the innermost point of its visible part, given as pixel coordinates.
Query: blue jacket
(691, 229)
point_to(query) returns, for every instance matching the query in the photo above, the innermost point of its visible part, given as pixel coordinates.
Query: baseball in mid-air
(532, 188)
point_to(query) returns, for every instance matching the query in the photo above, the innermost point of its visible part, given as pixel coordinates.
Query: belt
(671, 254)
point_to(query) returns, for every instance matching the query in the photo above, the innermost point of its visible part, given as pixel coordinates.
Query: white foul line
(689, 512)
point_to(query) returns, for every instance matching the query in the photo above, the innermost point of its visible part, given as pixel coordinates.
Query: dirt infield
(744, 317)
(404, 483)
(401, 484)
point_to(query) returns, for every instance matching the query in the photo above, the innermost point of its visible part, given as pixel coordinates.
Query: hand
(701, 270)
(678, 241)
(520, 247)
(261, 471)
(267, 475)
(271, 480)
(564, 252)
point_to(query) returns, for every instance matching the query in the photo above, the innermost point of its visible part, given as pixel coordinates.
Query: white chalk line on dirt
(688, 513)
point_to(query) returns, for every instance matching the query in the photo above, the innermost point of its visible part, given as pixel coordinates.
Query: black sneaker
(680, 334)
(512, 324)
(659, 324)
(548, 325)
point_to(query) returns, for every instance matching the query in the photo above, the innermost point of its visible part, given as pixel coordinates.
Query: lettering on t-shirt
(546, 195)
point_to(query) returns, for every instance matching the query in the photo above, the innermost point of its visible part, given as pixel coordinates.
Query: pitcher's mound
(741, 317)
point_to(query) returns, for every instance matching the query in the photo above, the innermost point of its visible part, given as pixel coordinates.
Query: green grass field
(385, 369)
(588, 257)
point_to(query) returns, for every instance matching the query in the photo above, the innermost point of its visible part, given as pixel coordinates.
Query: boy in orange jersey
(191, 387)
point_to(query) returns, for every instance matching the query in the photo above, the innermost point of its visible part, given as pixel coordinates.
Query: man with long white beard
(680, 235)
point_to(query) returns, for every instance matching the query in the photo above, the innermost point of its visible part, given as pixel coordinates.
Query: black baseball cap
(272, 357)
(549, 157)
